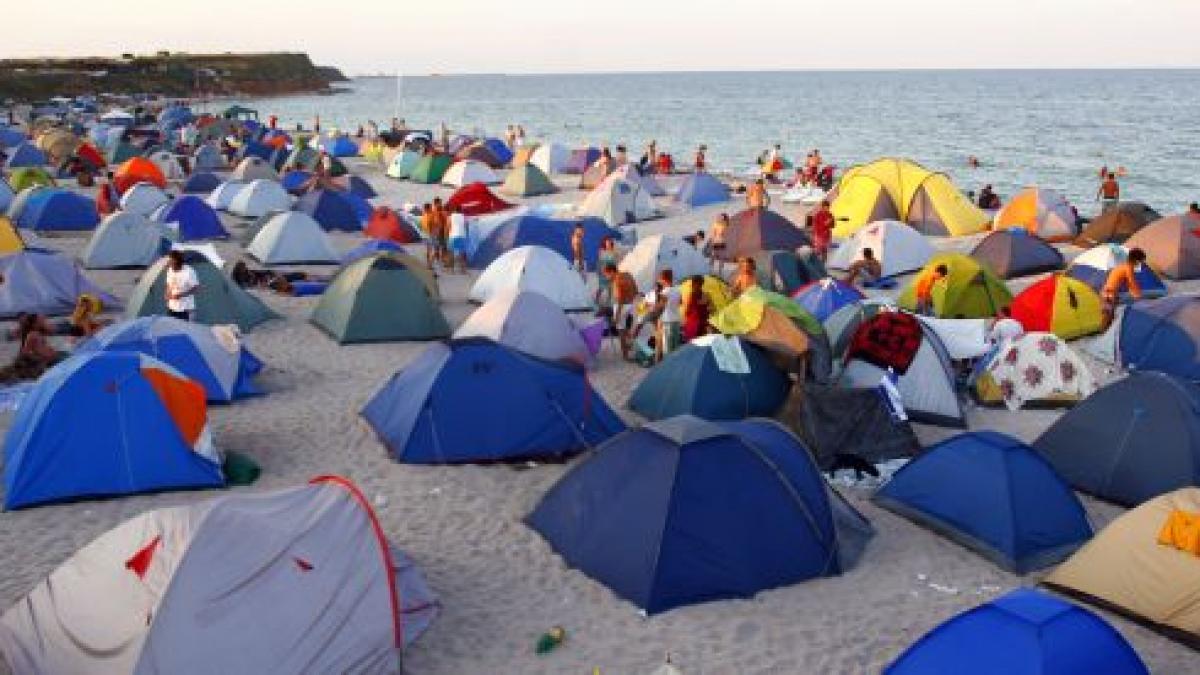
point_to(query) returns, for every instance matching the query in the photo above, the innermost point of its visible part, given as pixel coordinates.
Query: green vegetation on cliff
(164, 73)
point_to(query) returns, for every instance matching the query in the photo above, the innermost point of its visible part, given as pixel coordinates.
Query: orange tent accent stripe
(183, 399)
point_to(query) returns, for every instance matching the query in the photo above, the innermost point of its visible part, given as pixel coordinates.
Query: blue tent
(331, 209)
(55, 210)
(26, 154)
(10, 137)
(994, 495)
(261, 150)
(190, 348)
(42, 282)
(340, 146)
(690, 381)
(369, 248)
(97, 425)
(581, 159)
(476, 401)
(1161, 335)
(362, 208)
(195, 219)
(201, 182)
(360, 188)
(823, 298)
(1025, 632)
(701, 189)
(497, 147)
(530, 230)
(295, 182)
(683, 511)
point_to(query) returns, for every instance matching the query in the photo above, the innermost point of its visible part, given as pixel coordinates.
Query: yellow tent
(10, 239)
(969, 291)
(1132, 568)
(58, 144)
(770, 320)
(716, 291)
(900, 189)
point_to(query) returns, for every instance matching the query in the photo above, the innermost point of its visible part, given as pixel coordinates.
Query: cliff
(175, 75)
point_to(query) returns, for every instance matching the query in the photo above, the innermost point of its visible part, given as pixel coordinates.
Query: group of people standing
(446, 229)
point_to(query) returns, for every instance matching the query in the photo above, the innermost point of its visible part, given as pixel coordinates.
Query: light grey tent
(220, 301)
(1130, 441)
(125, 240)
(292, 238)
(382, 298)
(208, 157)
(298, 580)
(530, 323)
(42, 282)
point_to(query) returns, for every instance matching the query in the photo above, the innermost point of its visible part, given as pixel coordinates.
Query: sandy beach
(499, 583)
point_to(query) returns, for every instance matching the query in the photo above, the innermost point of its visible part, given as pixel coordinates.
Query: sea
(1051, 128)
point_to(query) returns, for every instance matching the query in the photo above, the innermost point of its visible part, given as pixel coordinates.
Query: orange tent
(138, 170)
(385, 224)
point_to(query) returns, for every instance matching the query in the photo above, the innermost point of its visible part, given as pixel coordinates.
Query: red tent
(477, 200)
(138, 170)
(387, 225)
(88, 153)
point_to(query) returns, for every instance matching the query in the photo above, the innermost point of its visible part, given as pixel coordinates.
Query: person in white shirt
(458, 239)
(181, 287)
(1005, 327)
(669, 328)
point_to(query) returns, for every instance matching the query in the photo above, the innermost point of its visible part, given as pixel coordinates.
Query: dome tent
(1116, 225)
(192, 349)
(465, 172)
(1172, 246)
(1132, 440)
(222, 195)
(476, 200)
(144, 199)
(619, 202)
(258, 198)
(1013, 253)
(339, 146)
(331, 209)
(386, 224)
(124, 240)
(969, 291)
(1061, 305)
(683, 511)
(777, 324)
(27, 177)
(823, 298)
(201, 182)
(529, 230)
(701, 189)
(899, 248)
(381, 298)
(430, 169)
(138, 170)
(307, 568)
(10, 238)
(401, 165)
(551, 158)
(1023, 632)
(168, 164)
(1039, 212)
(292, 238)
(41, 282)
(994, 495)
(1127, 569)
(193, 219)
(368, 248)
(254, 168)
(26, 155)
(1035, 369)
(1155, 335)
(73, 438)
(527, 181)
(534, 268)
(836, 421)
(55, 210)
(530, 323)
(653, 254)
(899, 189)
(755, 230)
(219, 302)
(534, 408)
(208, 157)
(1093, 265)
(6, 196)
(690, 381)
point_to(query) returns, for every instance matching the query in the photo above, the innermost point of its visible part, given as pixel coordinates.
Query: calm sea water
(1052, 128)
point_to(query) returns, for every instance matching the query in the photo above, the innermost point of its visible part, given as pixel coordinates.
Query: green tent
(382, 298)
(29, 176)
(970, 291)
(302, 157)
(219, 302)
(430, 169)
(527, 181)
(403, 164)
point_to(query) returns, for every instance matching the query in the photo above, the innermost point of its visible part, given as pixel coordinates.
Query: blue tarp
(332, 210)
(1025, 632)
(476, 401)
(682, 511)
(196, 219)
(530, 230)
(994, 495)
(95, 426)
(56, 210)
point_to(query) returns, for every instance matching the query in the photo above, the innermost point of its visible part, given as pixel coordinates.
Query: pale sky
(416, 37)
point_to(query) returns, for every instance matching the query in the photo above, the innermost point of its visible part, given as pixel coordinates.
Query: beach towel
(306, 288)
(1181, 531)
(727, 352)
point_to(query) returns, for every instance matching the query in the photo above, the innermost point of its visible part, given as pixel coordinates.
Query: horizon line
(762, 71)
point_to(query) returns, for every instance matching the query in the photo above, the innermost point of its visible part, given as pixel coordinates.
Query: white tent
(221, 197)
(528, 322)
(168, 164)
(254, 168)
(259, 198)
(927, 388)
(534, 268)
(467, 171)
(898, 248)
(299, 580)
(630, 173)
(124, 239)
(291, 238)
(618, 202)
(551, 157)
(659, 252)
(144, 199)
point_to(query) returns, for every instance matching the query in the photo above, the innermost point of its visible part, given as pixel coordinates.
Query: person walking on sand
(1122, 279)
(924, 287)
(866, 268)
(624, 293)
(822, 230)
(578, 258)
(428, 226)
(458, 239)
(442, 223)
(182, 285)
(716, 244)
(670, 317)
(1109, 193)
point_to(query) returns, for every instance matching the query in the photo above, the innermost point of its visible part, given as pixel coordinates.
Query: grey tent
(42, 282)
(786, 271)
(208, 157)
(834, 421)
(528, 322)
(527, 181)
(1130, 441)
(125, 240)
(382, 298)
(292, 238)
(220, 301)
(1014, 253)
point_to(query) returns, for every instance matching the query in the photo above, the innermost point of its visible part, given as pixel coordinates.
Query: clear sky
(531, 36)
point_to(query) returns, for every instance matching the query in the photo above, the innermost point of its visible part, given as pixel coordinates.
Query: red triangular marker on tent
(141, 560)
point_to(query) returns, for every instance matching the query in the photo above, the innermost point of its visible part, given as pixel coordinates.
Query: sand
(499, 583)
